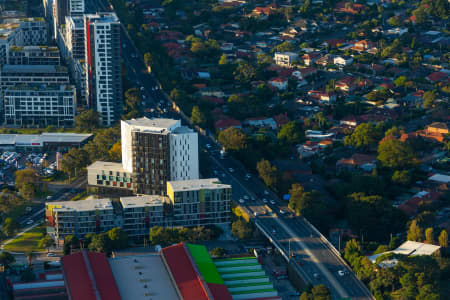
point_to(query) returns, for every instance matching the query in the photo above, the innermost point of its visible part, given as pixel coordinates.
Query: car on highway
(231, 170)
(50, 254)
(282, 212)
(29, 222)
(265, 200)
(266, 192)
(208, 146)
(272, 202)
(246, 197)
(274, 231)
(253, 198)
(341, 272)
(255, 213)
(316, 275)
(241, 201)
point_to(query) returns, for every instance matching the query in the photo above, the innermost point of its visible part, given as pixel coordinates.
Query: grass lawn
(27, 241)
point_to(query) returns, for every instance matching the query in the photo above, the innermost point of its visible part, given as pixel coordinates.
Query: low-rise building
(199, 202)
(79, 218)
(109, 178)
(40, 105)
(142, 213)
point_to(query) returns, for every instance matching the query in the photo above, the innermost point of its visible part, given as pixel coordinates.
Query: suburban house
(285, 59)
(357, 161)
(435, 132)
(343, 60)
(279, 83)
(223, 124)
(322, 96)
(310, 58)
(261, 122)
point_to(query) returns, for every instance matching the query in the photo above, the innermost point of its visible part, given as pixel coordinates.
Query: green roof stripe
(234, 258)
(240, 271)
(245, 278)
(205, 264)
(252, 291)
(238, 265)
(248, 284)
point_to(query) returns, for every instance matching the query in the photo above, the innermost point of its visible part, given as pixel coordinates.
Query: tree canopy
(364, 136)
(395, 154)
(233, 139)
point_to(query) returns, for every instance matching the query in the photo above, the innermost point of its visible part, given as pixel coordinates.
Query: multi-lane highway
(319, 262)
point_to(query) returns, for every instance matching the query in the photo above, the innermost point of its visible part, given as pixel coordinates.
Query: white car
(29, 222)
(272, 202)
(341, 273)
(246, 197)
(231, 170)
(266, 192)
(282, 212)
(50, 254)
(241, 201)
(265, 200)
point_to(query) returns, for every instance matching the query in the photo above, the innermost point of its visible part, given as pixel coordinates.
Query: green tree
(28, 190)
(443, 239)
(245, 72)
(285, 46)
(429, 235)
(428, 99)
(6, 259)
(363, 136)
(115, 153)
(46, 242)
(223, 60)
(197, 116)
(241, 229)
(428, 292)
(420, 15)
(267, 172)
(217, 252)
(118, 238)
(395, 154)
(70, 242)
(87, 120)
(291, 133)
(10, 226)
(300, 199)
(394, 131)
(415, 232)
(26, 176)
(233, 139)
(401, 177)
(74, 161)
(100, 243)
(400, 81)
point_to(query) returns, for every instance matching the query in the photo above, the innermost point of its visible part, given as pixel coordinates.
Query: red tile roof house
(227, 123)
(437, 76)
(357, 161)
(308, 149)
(310, 58)
(363, 45)
(411, 206)
(346, 84)
(279, 82)
(281, 119)
(322, 96)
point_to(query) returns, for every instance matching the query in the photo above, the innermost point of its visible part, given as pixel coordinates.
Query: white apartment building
(74, 37)
(103, 68)
(40, 105)
(63, 9)
(285, 59)
(79, 218)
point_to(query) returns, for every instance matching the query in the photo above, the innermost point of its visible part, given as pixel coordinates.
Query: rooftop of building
(34, 48)
(41, 87)
(83, 205)
(197, 184)
(142, 201)
(46, 137)
(107, 166)
(138, 276)
(183, 129)
(154, 124)
(103, 17)
(34, 68)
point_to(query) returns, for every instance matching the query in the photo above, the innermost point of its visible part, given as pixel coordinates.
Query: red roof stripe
(79, 285)
(183, 272)
(219, 291)
(103, 275)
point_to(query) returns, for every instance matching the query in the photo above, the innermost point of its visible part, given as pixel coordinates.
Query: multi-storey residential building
(199, 202)
(142, 213)
(103, 68)
(79, 218)
(74, 37)
(64, 8)
(21, 32)
(158, 150)
(285, 59)
(79, 75)
(154, 151)
(40, 105)
(27, 74)
(33, 55)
